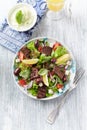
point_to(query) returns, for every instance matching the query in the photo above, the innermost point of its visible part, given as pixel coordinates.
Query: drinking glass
(55, 9)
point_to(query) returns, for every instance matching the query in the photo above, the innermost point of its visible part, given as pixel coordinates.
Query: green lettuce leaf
(59, 52)
(42, 71)
(33, 92)
(48, 95)
(58, 79)
(34, 89)
(25, 73)
(22, 66)
(34, 52)
(43, 58)
(31, 46)
(35, 86)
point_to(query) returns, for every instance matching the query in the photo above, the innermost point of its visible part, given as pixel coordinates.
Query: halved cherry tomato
(40, 48)
(59, 86)
(21, 56)
(22, 82)
(56, 45)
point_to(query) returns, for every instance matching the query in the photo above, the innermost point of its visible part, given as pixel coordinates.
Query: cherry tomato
(56, 45)
(40, 48)
(59, 86)
(21, 55)
(22, 82)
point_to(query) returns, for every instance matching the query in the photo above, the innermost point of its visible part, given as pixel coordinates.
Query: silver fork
(52, 116)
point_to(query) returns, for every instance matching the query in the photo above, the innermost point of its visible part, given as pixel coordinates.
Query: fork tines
(80, 72)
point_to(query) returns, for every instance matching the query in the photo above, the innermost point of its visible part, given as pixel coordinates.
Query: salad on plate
(42, 68)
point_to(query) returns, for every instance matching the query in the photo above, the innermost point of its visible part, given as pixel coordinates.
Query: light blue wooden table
(19, 112)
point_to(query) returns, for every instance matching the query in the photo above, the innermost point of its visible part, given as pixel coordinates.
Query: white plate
(72, 71)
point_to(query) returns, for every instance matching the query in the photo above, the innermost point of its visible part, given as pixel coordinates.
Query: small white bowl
(30, 13)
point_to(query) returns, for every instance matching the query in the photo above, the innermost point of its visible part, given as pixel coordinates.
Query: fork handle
(52, 116)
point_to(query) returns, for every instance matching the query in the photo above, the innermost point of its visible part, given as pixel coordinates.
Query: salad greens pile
(59, 52)
(42, 69)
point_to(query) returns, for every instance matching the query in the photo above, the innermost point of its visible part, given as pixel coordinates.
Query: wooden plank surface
(19, 112)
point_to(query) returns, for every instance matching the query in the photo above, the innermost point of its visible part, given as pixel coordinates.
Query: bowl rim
(29, 95)
(18, 5)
